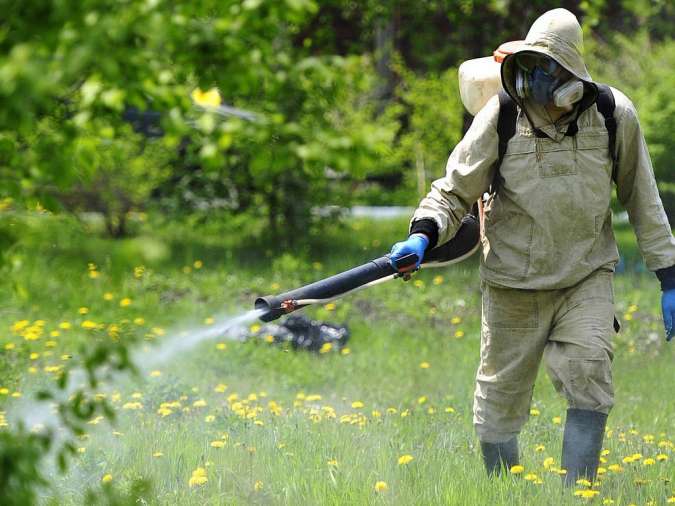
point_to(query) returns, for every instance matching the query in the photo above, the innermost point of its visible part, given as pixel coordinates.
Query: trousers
(571, 328)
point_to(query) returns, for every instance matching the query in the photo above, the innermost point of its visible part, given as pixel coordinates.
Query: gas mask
(543, 80)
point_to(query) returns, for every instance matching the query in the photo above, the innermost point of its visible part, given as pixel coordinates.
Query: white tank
(480, 78)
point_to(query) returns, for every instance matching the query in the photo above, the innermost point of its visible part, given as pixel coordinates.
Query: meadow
(386, 420)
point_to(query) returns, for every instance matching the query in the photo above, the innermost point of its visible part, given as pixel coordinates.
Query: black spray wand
(461, 246)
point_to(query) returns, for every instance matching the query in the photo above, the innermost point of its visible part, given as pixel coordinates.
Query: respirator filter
(569, 93)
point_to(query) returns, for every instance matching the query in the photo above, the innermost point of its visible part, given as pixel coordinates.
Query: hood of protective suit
(556, 34)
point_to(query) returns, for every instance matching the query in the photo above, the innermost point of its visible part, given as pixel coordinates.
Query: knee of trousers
(584, 377)
(500, 409)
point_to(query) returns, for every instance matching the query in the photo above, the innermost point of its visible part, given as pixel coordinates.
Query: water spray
(461, 246)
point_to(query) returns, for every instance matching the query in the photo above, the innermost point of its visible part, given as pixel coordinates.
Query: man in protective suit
(548, 250)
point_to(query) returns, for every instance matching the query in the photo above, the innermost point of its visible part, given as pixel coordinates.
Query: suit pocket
(509, 238)
(510, 308)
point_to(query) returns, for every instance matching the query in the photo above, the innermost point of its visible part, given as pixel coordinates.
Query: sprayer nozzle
(270, 313)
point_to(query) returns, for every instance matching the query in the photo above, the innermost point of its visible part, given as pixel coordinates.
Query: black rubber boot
(498, 456)
(582, 443)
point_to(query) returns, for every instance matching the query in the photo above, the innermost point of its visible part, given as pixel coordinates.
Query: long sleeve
(638, 193)
(469, 173)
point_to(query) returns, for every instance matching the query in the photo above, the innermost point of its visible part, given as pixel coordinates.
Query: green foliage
(434, 112)
(21, 454)
(643, 70)
(63, 142)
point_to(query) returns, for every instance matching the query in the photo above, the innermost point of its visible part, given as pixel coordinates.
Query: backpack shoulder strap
(606, 105)
(506, 128)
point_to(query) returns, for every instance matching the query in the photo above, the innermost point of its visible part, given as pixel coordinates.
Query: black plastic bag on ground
(306, 334)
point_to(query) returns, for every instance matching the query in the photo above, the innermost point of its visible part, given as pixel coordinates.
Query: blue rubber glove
(416, 244)
(668, 308)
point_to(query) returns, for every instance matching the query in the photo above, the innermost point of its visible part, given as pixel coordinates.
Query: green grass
(395, 328)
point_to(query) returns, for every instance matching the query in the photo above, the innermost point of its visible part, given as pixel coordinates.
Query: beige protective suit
(548, 247)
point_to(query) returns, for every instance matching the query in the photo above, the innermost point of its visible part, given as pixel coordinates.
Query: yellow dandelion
(198, 477)
(548, 462)
(330, 306)
(449, 409)
(583, 482)
(107, 478)
(199, 403)
(607, 500)
(65, 325)
(459, 333)
(517, 469)
(155, 374)
(209, 321)
(615, 468)
(108, 296)
(357, 404)
(535, 412)
(126, 301)
(10, 346)
(83, 310)
(157, 455)
(531, 477)
(438, 280)
(661, 457)
(425, 365)
(586, 494)
(648, 462)
(210, 418)
(381, 486)
(218, 443)
(332, 463)
(405, 459)
(418, 283)
(132, 405)
(258, 485)
(556, 420)
(220, 388)
(422, 399)
(455, 320)
(345, 351)
(88, 324)
(209, 98)
(221, 346)
(539, 448)
(326, 347)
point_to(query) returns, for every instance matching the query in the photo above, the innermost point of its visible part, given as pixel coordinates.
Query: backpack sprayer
(461, 246)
